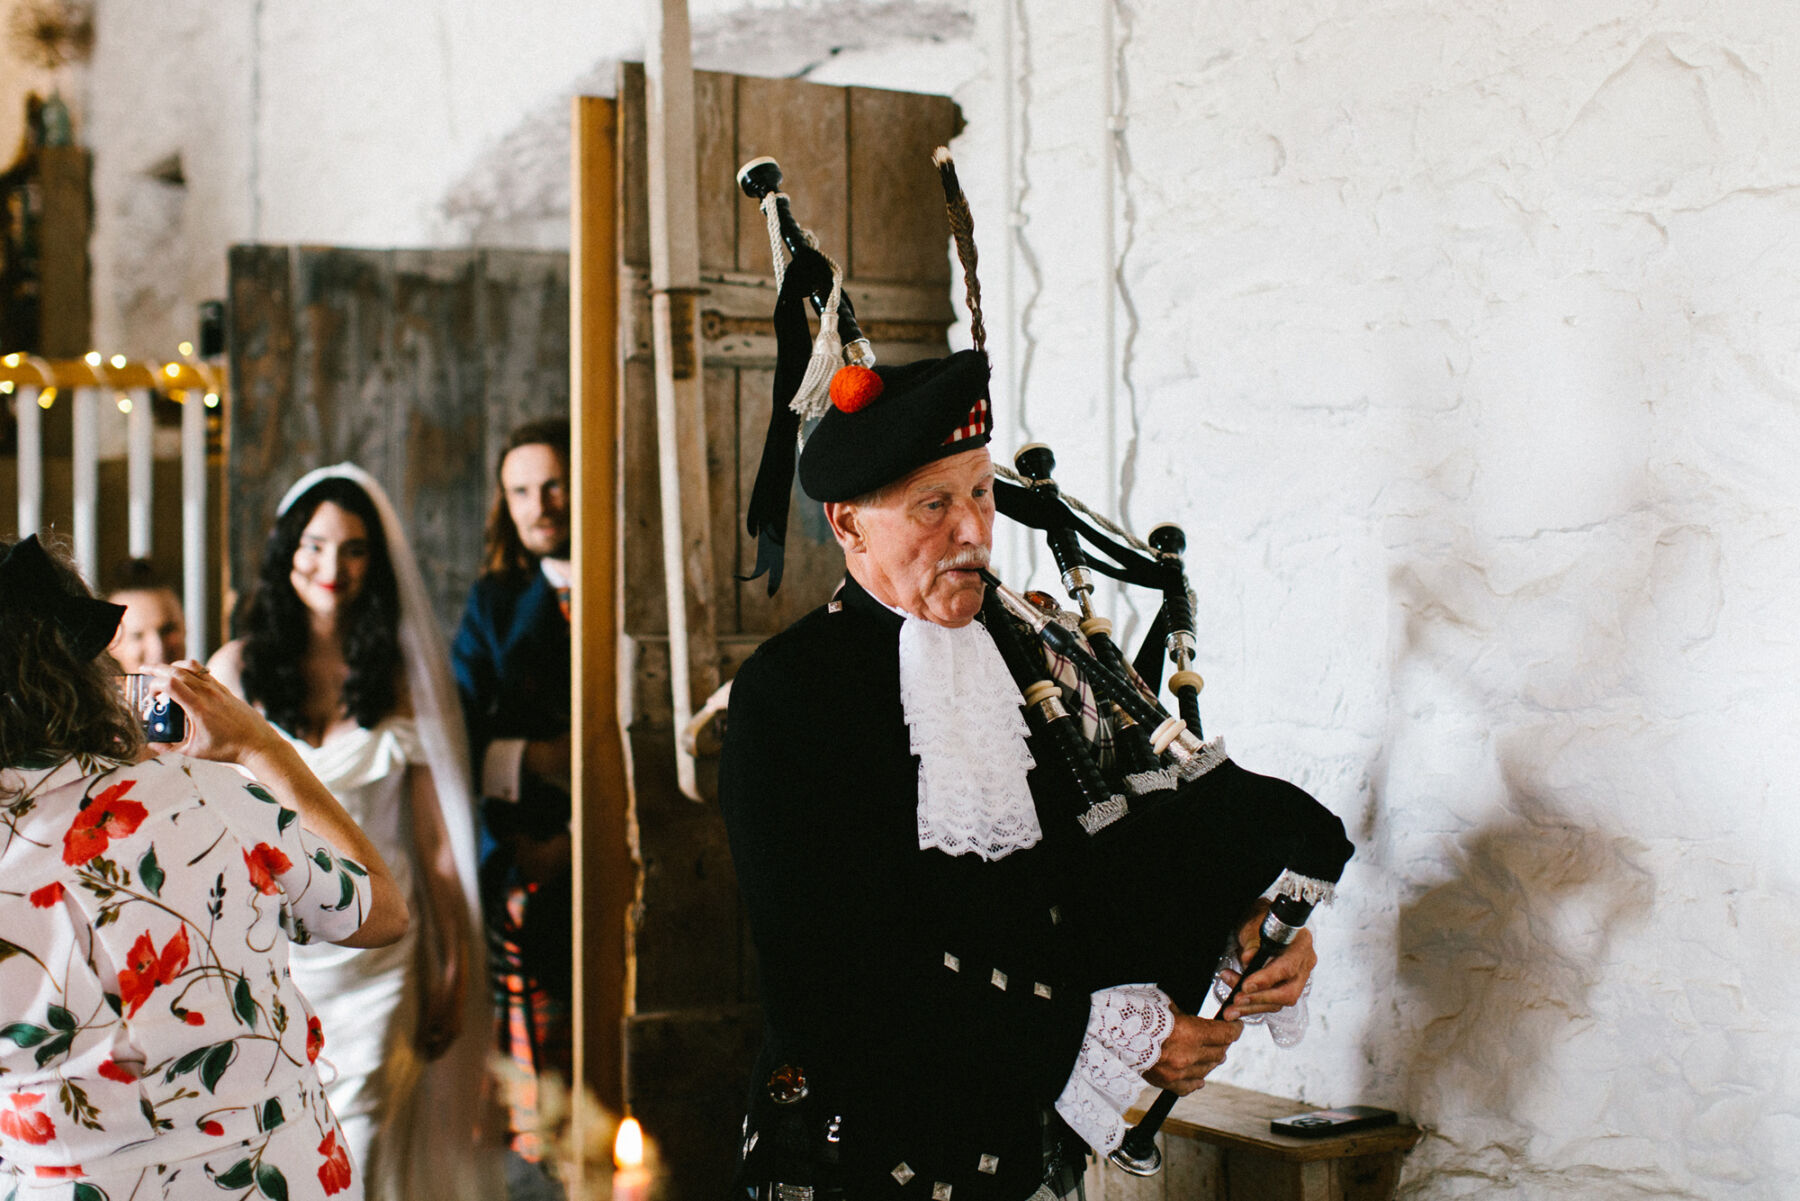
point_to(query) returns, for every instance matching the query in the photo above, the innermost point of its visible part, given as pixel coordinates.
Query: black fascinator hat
(33, 586)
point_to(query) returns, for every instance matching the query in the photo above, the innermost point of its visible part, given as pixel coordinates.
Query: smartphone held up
(164, 720)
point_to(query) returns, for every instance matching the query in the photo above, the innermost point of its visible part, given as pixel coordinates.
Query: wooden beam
(64, 304)
(680, 395)
(605, 872)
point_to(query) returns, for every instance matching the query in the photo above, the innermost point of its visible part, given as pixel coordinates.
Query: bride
(345, 658)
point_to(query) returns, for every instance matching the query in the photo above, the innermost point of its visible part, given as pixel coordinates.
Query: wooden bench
(1217, 1146)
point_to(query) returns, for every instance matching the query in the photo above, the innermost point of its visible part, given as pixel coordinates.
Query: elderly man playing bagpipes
(960, 947)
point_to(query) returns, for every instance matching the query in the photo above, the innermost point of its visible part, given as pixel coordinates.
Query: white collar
(962, 709)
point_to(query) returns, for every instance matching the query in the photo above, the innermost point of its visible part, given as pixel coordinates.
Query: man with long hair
(512, 668)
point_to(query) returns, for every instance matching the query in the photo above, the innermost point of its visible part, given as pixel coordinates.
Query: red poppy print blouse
(145, 1005)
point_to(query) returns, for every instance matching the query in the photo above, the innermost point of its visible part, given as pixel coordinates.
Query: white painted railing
(119, 390)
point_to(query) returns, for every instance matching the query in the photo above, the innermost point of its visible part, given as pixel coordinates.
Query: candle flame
(628, 1147)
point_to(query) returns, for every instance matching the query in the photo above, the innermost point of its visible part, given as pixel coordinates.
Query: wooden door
(858, 167)
(412, 364)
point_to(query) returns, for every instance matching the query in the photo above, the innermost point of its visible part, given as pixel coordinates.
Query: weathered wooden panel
(1192, 1171)
(802, 126)
(524, 346)
(1217, 1146)
(687, 1085)
(715, 135)
(650, 705)
(1366, 1178)
(634, 158)
(437, 392)
(412, 364)
(1238, 1119)
(262, 340)
(813, 564)
(904, 321)
(641, 521)
(715, 150)
(722, 455)
(690, 894)
(900, 230)
(1255, 1178)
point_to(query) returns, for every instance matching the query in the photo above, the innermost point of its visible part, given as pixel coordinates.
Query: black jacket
(933, 1002)
(512, 669)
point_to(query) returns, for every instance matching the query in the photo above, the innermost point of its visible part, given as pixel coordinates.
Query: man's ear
(845, 526)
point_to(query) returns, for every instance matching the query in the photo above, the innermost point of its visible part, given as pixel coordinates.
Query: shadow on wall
(1499, 963)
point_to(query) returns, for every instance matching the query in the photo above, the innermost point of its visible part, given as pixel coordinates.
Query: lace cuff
(1126, 1029)
(1286, 1026)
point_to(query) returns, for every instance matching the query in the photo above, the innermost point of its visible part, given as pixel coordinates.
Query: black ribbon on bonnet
(30, 583)
(766, 516)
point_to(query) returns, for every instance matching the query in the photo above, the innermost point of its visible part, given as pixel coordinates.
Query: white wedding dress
(368, 1001)
(420, 1131)
(391, 1102)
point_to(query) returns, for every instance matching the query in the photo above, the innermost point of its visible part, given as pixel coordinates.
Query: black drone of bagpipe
(1174, 811)
(1169, 793)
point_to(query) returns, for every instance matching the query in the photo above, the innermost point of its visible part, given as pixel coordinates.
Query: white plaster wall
(1460, 339)
(393, 122)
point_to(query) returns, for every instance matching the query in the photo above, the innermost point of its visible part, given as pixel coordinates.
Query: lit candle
(631, 1180)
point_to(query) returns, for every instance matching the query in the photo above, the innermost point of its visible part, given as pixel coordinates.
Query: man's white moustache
(969, 558)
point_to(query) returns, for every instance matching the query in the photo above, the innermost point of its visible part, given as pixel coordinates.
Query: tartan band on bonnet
(926, 410)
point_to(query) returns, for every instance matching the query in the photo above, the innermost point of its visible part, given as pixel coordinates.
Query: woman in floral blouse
(151, 1043)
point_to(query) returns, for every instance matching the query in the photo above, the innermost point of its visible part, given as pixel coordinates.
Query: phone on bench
(1324, 1123)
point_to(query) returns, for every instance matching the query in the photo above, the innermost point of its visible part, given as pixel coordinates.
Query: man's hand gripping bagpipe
(1206, 837)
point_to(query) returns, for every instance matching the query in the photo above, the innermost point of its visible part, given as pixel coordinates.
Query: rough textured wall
(1460, 337)
(382, 124)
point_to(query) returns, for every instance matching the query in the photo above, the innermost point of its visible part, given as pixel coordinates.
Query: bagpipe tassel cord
(772, 214)
(814, 394)
(962, 230)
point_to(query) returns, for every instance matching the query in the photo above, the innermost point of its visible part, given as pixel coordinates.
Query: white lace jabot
(962, 708)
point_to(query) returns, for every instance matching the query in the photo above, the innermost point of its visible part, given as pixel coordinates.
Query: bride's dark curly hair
(278, 626)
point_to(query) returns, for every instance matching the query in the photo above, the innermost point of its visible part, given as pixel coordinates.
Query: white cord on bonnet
(814, 394)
